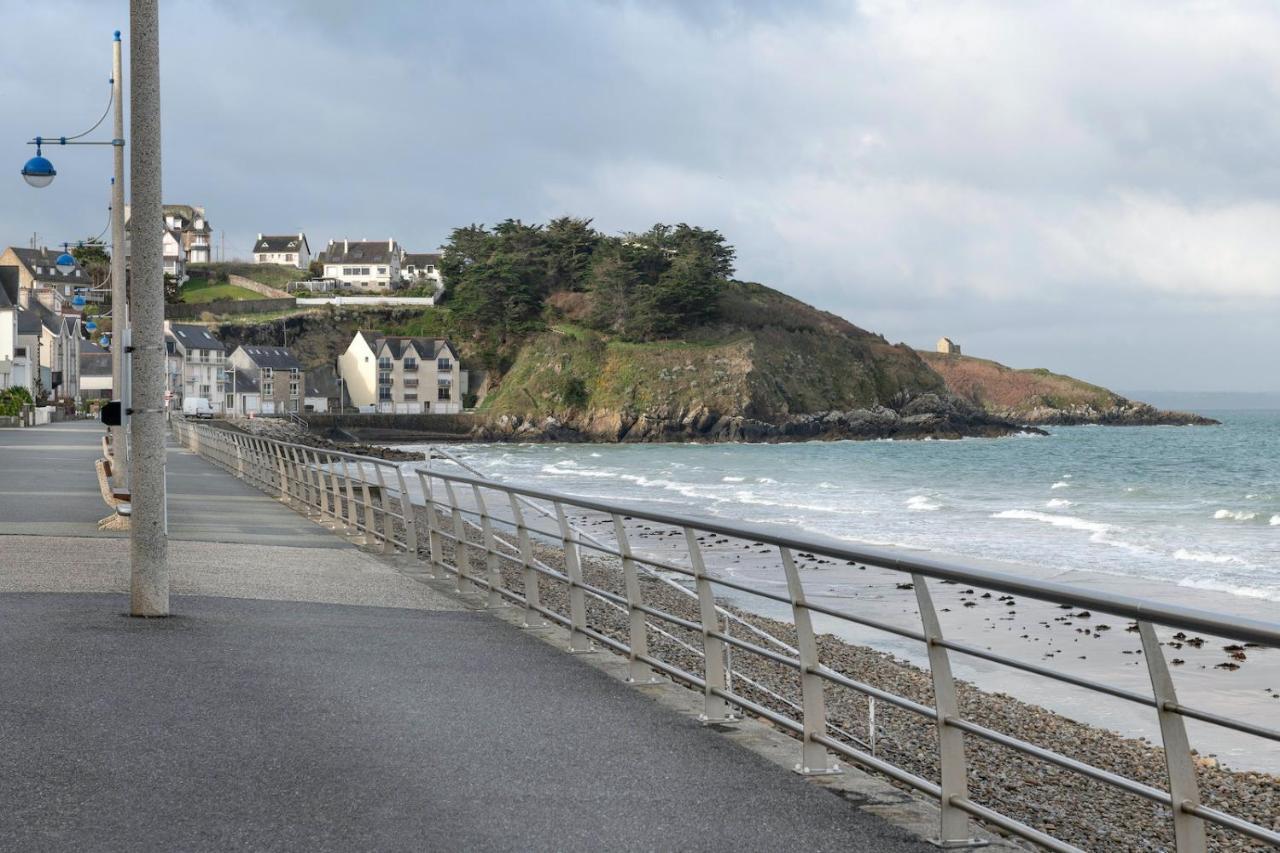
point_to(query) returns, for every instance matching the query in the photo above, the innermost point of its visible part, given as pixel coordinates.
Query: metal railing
(480, 533)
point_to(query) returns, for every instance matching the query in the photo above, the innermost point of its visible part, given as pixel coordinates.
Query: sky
(1084, 186)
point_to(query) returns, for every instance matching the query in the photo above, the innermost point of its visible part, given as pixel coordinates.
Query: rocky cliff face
(1040, 397)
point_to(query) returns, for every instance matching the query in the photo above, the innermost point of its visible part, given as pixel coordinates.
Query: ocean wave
(1214, 585)
(1275, 520)
(1206, 557)
(732, 479)
(1235, 515)
(1059, 503)
(1061, 484)
(825, 485)
(920, 503)
(769, 481)
(1068, 521)
(571, 469)
(754, 500)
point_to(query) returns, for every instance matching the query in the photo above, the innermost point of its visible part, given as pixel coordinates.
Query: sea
(1193, 507)
(1181, 515)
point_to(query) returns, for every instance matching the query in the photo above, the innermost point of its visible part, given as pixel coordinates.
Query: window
(364, 271)
(346, 270)
(382, 270)
(266, 373)
(384, 362)
(289, 258)
(444, 381)
(384, 394)
(411, 398)
(204, 390)
(411, 383)
(410, 364)
(444, 364)
(293, 389)
(268, 389)
(442, 393)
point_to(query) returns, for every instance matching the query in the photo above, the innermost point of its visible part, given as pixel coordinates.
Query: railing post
(638, 672)
(388, 525)
(1188, 830)
(410, 515)
(953, 828)
(353, 524)
(239, 458)
(434, 545)
(461, 546)
(493, 574)
(814, 760)
(284, 475)
(715, 708)
(578, 640)
(532, 596)
(370, 530)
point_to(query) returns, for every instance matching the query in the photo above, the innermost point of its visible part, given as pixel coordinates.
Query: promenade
(309, 696)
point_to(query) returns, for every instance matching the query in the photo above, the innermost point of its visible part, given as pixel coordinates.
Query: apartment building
(277, 375)
(402, 375)
(196, 366)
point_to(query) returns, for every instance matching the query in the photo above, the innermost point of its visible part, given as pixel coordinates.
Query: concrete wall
(185, 311)
(444, 424)
(257, 287)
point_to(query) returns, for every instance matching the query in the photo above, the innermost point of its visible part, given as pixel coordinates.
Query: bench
(118, 500)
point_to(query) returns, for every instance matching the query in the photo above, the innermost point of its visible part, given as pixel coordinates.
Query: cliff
(1037, 396)
(770, 368)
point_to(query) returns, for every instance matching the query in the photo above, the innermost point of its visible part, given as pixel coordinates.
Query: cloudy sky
(1091, 187)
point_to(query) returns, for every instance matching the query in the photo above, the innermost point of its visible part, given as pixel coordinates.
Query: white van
(197, 407)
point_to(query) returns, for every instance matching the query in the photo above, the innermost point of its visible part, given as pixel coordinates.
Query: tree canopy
(638, 286)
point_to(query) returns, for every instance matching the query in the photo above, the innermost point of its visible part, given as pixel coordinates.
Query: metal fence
(485, 535)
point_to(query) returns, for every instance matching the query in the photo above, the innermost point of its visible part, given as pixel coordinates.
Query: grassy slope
(268, 274)
(769, 356)
(995, 387)
(199, 289)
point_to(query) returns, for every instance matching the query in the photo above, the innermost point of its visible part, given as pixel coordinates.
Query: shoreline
(1026, 789)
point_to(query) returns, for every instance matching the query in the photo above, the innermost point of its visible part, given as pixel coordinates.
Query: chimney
(259, 236)
(344, 247)
(391, 244)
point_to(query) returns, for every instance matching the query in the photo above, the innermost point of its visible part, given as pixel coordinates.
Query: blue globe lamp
(65, 263)
(90, 326)
(104, 341)
(38, 171)
(78, 301)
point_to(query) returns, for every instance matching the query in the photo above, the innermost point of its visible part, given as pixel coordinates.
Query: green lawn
(198, 289)
(268, 274)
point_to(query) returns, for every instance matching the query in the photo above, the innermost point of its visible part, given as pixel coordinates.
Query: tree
(172, 291)
(571, 243)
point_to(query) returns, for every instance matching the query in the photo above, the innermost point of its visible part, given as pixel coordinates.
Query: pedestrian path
(309, 696)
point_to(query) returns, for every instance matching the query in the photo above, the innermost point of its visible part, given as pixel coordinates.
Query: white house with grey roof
(279, 376)
(39, 278)
(290, 250)
(402, 375)
(197, 365)
(363, 264)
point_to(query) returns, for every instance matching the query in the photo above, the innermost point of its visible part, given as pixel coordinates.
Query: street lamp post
(137, 324)
(148, 539)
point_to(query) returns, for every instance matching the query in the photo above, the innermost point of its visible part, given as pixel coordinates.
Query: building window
(382, 270)
(384, 363)
(410, 364)
(442, 393)
(411, 398)
(289, 258)
(293, 389)
(268, 389)
(384, 394)
(266, 373)
(204, 390)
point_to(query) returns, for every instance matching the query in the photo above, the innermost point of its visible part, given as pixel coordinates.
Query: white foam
(1275, 520)
(1235, 515)
(571, 469)
(1061, 484)
(767, 481)
(732, 479)
(1058, 503)
(825, 485)
(1068, 521)
(1205, 557)
(920, 503)
(1234, 589)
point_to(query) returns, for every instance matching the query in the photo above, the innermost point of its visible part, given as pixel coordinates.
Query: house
(244, 394)
(948, 346)
(15, 364)
(200, 363)
(279, 376)
(289, 250)
(420, 269)
(402, 374)
(52, 343)
(175, 256)
(192, 231)
(324, 390)
(95, 372)
(363, 265)
(38, 276)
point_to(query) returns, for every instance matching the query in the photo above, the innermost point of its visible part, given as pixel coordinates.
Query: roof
(94, 360)
(8, 286)
(28, 322)
(45, 259)
(245, 382)
(323, 381)
(281, 243)
(422, 259)
(276, 358)
(371, 252)
(399, 345)
(194, 337)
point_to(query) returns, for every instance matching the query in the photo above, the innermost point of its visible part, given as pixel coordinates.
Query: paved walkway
(258, 718)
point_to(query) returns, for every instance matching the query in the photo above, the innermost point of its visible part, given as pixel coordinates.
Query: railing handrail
(1172, 616)
(323, 484)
